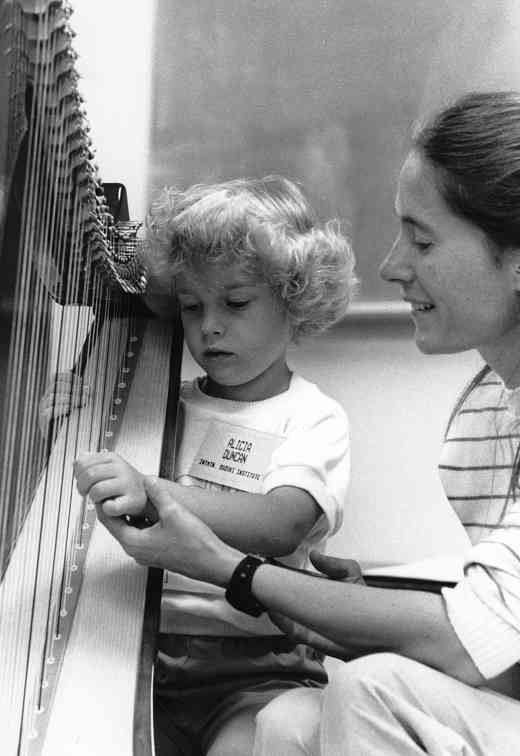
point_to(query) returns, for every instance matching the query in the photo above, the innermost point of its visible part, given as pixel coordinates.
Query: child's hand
(64, 392)
(111, 481)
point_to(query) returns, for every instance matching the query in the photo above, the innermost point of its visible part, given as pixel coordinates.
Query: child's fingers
(86, 460)
(101, 490)
(122, 505)
(64, 393)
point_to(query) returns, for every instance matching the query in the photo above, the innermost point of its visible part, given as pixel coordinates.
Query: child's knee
(291, 718)
(365, 674)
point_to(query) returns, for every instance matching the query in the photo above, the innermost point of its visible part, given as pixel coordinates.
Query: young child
(263, 455)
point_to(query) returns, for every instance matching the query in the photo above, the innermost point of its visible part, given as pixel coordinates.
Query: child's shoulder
(311, 400)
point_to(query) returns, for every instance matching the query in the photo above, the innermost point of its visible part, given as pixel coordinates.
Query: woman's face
(460, 297)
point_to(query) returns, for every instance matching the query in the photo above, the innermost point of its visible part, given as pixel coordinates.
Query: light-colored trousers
(388, 704)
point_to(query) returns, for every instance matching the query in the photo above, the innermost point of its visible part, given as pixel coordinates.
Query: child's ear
(513, 261)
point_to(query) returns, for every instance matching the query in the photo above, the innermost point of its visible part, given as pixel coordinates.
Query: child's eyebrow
(241, 285)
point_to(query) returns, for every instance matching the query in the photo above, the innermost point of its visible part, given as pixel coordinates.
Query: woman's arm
(355, 617)
(360, 618)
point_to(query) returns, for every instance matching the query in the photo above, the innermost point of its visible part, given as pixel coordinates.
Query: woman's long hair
(474, 147)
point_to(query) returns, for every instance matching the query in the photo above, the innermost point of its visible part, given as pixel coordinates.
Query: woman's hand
(110, 481)
(301, 634)
(337, 568)
(178, 541)
(334, 568)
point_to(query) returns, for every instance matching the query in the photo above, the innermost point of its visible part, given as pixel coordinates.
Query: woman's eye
(422, 244)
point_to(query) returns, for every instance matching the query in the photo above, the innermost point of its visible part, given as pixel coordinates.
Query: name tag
(234, 456)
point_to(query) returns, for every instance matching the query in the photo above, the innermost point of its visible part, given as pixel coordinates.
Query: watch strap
(239, 593)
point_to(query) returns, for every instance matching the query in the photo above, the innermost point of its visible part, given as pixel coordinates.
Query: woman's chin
(426, 344)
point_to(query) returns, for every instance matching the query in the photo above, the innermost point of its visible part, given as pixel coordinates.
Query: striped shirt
(478, 455)
(475, 469)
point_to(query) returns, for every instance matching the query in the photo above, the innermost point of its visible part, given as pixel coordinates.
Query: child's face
(237, 331)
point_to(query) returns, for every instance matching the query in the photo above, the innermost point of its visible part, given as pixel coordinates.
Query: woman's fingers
(337, 568)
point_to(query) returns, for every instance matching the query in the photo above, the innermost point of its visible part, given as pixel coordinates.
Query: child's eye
(238, 304)
(189, 306)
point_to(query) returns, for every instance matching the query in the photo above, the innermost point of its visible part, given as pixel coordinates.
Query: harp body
(76, 659)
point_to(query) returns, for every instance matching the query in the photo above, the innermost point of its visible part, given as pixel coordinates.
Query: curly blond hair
(267, 226)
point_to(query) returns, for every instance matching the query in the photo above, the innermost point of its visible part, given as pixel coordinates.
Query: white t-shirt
(299, 438)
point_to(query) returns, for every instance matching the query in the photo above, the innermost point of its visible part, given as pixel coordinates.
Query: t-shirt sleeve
(315, 456)
(484, 608)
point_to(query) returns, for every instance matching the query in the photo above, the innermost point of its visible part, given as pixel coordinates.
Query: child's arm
(306, 482)
(272, 524)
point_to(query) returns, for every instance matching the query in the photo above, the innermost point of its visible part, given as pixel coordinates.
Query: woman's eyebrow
(410, 220)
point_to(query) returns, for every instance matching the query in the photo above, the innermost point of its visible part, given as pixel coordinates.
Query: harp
(77, 617)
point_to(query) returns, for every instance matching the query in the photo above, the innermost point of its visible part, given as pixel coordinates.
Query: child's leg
(290, 724)
(385, 703)
(236, 736)
(294, 711)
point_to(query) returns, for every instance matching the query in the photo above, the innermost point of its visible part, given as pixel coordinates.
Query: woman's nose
(397, 266)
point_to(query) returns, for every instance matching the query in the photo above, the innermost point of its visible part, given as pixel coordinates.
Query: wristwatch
(238, 592)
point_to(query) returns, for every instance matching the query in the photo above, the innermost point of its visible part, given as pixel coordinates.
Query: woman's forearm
(411, 623)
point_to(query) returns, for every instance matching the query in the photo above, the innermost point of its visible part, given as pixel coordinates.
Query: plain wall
(322, 92)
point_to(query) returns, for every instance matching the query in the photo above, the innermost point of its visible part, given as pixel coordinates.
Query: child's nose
(397, 266)
(212, 324)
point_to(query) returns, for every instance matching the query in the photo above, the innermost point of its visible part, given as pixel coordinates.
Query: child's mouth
(216, 354)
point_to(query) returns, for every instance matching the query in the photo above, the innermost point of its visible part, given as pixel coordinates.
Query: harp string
(62, 245)
(31, 288)
(30, 344)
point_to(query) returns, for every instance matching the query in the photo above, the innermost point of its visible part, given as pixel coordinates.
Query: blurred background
(326, 94)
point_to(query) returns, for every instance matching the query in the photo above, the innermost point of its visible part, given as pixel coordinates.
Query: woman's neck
(504, 357)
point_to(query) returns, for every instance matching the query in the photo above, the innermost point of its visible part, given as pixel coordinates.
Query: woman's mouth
(421, 307)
